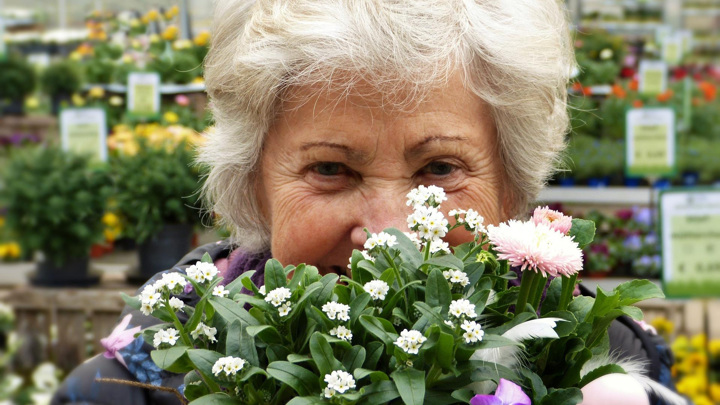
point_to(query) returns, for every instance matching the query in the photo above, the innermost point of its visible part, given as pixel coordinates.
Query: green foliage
(599, 56)
(179, 67)
(55, 202)
(592, 157)
(99, 71)
(62, 77)
(17, 79)
(156, 186)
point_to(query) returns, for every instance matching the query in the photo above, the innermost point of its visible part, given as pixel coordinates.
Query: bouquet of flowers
(418, 322)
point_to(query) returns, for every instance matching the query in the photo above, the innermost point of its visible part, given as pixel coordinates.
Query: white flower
(261, 290)
(278, 296)
(220, 291)
(146, 308)
(329, 392)
(382, 240)
(284, 309)
(377, 289)
(341, 332)
(438, 245)
(367, 256)
(462, 307)
(203, 329)
(174, 282)
(414, 238)
(176, 304)
(201, 272)
(169, 336)
(228, 365)
(456, 277)
(410, 341)
(449, 323)
(474, 221)
(339, 381)
(150, 299)
(473, 332)
(431, 195)
(335, 310)
(429, 222)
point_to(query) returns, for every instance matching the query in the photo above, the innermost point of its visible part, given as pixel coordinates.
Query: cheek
(484, 200)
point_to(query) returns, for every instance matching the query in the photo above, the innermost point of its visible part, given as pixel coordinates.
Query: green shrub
(61, 78)
(17, 79)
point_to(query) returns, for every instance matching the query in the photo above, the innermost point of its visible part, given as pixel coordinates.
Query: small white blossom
(150, 299)
(220, 291)
(367, 256)
(474, 221)
(335, 310)
(203, 329)
(410, 341)
(381, 240)
(228, 365)
(169, 336)
(329, 392)
(449, 323)
(341, 332)
(174, 282)
(377, 289)
(473, 332)
(462, 307)
(456, 277)
(414, 239)
(431, 195)
(201, 272)
(438, 245)
(278, 296)
(176, 304)
(284, 309)
(261, 290)
(339, 381)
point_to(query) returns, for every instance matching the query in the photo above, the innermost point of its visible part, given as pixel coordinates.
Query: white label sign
(652, 76)
(650, 142)
(84, 130)
(690, 226)
(673, 50)
(686, 38)
(143, 93)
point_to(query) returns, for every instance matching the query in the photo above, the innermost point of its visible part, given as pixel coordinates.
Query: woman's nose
(380, 212)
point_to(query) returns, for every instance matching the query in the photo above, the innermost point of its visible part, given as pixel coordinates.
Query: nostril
(337, 270)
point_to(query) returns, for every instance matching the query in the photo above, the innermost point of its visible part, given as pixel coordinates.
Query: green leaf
(328, 283)
(206, 258)
(380, 328)
(432, 313)
(297, 277)
(433, 397)
(552, 296)
(132, 302)
(408, 251)
(390, 304)
(437, 291)
(276, 353)
(300, 379)
(309, 400)
(565, 396)
(604, 303)
(638, 290)
(357, 306)
(238, 342)
(410, 384)
(445, 345)
(446, 262)
(236, 285)
(599, 372)
(265, 333)
(379, 392)
(361, 373)
(354, 358)
(582, 231)
(463, 395)
(203, 359)
(374, 353)
(174, 359)
(493, 341)
(217, 398)
(581, 306)
(536, 384)
(230, 311)
(322, 353)
(274, 275)
(194, 388)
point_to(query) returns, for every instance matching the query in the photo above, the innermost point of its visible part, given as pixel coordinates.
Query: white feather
(533, 329)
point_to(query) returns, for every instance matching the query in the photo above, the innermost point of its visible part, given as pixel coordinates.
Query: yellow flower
(663, 325)
(130, 148)
(154, 38)
(702, 400)
(4, 251)
(145, 20)
(170, 33)
(699, 341)
(692, 385)
(715, 392)
(172, 12)
(198, 80)
(77, 100)
(96, 92)
(152, 15)
(110, 219)
(75, 55)
(13, 250)
(134, 23)
(2, 222)
(116, 101)
(182, 44)
(32, 103)
(202, 39)
(714, 348)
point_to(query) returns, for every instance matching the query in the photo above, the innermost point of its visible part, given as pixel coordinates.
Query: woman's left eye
(439, 168)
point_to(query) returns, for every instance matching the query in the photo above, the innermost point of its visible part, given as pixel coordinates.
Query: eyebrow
(350, 153)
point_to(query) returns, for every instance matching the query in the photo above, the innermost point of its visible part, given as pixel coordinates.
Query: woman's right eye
(329, 169)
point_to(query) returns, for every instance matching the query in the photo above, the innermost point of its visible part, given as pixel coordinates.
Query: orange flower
(665, 96)
(170, 33)
(709, 90)
(637, 104)
(577, 86)
(618, 91)
(633, 85)
(587, 91)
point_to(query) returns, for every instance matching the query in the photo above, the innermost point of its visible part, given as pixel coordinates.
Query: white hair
(515, 55)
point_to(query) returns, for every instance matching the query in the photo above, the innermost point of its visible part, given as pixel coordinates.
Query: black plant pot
(162, 251)
(59, 100)
(74, 273)
(14, 107)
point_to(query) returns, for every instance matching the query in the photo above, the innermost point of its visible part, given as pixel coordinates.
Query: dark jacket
(80, 387)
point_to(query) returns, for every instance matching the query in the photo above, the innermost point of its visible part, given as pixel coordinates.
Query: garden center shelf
(598, 195)
(164, 88)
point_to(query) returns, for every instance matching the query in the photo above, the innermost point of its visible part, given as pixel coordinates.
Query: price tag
(653, 76)
(650, 142)
(690, 227)
(143, 94)
(673, 50)
(84, 130)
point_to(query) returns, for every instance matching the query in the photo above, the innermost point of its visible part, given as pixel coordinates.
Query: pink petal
(485, 400)
(510, 393)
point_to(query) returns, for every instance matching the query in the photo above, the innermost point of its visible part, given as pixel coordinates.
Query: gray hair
(516, 55)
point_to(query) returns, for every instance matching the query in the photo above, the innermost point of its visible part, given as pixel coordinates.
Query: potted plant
(157, 186)
(55, 201)
(17, 80)
(61, 80)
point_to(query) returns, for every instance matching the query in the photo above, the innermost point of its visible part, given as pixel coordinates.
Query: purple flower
(507, 393)
(633, 242)
(118, 339)
(643, 215)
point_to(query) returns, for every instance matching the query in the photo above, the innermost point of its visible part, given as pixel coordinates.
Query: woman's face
(331, 168)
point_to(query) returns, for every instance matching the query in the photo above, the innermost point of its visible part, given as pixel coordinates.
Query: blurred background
(102, 103)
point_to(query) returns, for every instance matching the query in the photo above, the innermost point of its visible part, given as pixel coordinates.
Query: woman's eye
(439, 168)
(329, 169)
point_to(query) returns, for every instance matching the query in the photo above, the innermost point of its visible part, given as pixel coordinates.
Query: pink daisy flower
(556, 220)
(536, 247)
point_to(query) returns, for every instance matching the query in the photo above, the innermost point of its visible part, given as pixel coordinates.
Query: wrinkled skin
(333, 165)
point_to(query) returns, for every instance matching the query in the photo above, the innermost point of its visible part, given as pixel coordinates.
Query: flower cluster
(169, 336)
(428, 222)
(380, 240)
(471, 219)
(228, 365)
(278, 298)
(202, 329)
(202, 272)
(430, 195)
(150, 299)
(456, 277)
(335, 310)
(410, 341)
(377, 289)
(220, 291)
(473, 332)
(338, 382)
(341, 332)
(176, 304)
(462, 307)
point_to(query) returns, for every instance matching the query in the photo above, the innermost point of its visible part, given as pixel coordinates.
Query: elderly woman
(329, 111)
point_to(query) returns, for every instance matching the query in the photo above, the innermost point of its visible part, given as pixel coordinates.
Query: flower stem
(528, 279)
(536, 290)
(396, 271)
(433, 375)
(178, 325)
(568, 287)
